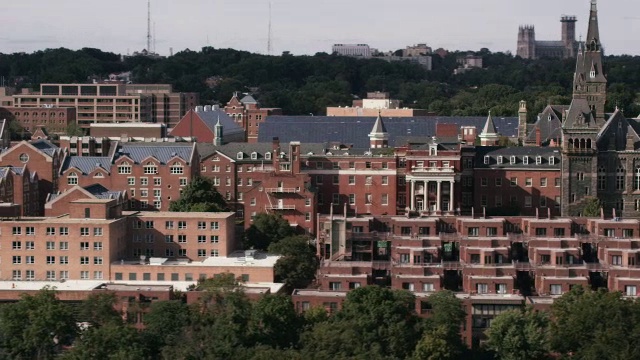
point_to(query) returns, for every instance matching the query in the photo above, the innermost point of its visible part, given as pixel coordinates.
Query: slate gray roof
(232, 149)
(550, 124)
(550, 43)
(355, 130)
(3, 172)
(102, 192)
(210, 118)
(86, 164)
(248, 99)
(45, 146)
(161, 151)
(16, 169)
(519, 152)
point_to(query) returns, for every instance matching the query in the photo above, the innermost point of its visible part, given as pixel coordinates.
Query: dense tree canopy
(307, 84)
(199, 196)
(298, 265)
(265, 230)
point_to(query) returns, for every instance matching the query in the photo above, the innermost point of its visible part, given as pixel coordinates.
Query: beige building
(167, 106)
(376, 103)
(94, 103)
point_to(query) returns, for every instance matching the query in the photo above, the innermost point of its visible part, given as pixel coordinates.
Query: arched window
(588, 143)
(72, 179)
(150, 168)
(620, 178)
(570, 143)
(176, 168)
(124, 168)
(636, 178)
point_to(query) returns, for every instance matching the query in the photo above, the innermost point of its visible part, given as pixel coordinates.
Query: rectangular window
(168, 224)
(630, 290)
(543, 182)
(30, 245)
(352, 199)
(30, 230)
(352, 180)
(51, 260)
(131, 181)
(51, 231)
(555, 289)
(17, 230)
(84, 245)
(214, 253)
(215, 225)
(30, 259)
(64, 260)
(202, 225)
(385, 199)
(482, 288)
(64, 245)
(97, 231)
(182, 239)
(514, 181)
(84, 231)
(182, 225)
(84, 260)
(498, 182)
(214, 239)
(202, 239)
(528, 182)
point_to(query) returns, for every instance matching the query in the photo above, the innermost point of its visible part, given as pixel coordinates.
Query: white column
(451, 208)
(413, 197)
(438, 195)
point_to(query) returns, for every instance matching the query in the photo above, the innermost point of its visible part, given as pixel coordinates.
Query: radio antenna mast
(149, 26)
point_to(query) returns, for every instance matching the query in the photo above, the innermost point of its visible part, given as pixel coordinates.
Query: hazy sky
(304, 26)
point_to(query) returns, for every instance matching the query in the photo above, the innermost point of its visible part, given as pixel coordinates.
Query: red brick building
(248, 114)
(41, 157)
(492, 263)
(153, 174)
(20, 186)
(208, 125)
(55, 120)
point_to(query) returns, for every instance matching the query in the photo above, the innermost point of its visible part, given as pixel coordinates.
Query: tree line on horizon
(303, 85)
(373, 323)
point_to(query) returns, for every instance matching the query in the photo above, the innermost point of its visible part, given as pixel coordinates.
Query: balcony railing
(281, 207)
(433, 170)
(347, 264)
(283, 190)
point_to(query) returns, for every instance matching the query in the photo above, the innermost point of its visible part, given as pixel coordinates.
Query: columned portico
(429, 194)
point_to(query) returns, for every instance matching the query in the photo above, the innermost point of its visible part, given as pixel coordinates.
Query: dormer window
(72, 179)
(486, 160)
(267, 156)
(500, 159)
(525, 160)
(240, 155)
(512, 160)
(433, 151)
(552, 160)
(254, 155)
(538, 160)
(592, 74)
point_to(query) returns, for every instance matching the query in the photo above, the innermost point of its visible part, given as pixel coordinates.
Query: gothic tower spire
(589, 82)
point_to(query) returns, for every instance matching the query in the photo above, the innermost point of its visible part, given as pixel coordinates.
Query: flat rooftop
(68, 285)
(235, 259)
(314, 292)
(63, 219)
(179, 215)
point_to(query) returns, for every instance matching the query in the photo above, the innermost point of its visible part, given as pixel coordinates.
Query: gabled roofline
(24, 142)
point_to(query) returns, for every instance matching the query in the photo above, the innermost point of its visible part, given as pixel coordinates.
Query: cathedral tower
(582, 123)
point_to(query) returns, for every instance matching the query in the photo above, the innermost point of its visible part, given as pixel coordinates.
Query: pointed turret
(218, 129)
(489, 135)
(593, 34)
(378, 137)
(589, 82)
